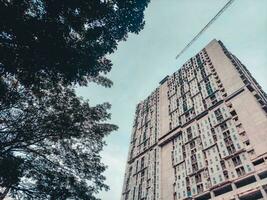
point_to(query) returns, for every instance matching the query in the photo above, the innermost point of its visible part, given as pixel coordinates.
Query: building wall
(202, 134)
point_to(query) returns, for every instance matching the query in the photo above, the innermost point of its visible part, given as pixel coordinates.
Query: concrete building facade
(202, 134)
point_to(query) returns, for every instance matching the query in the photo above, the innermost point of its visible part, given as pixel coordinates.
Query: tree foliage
(50, 139)
(66, 39)
(52, 143)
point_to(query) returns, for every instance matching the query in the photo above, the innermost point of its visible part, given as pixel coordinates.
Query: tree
(65, 39)
(50, 146)
(50, 139)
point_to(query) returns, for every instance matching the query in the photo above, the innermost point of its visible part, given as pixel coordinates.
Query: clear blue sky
(144, 59)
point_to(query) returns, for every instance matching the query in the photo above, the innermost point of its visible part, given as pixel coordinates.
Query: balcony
(236, 161)
(219, 118)
(193, 159)
(195, 167)
(198, 178)
(240, 171)
(228, 142)
(200, 188)
(223, 164)
(225, 173)
(214, 138)
(190, 136)
(231, 149)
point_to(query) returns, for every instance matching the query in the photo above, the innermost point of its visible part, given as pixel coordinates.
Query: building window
(142, 162)
(211, 169)
(213, 99)
(228, 141)
(218, 115)
(198, 178)
(226, 134)
(175, 196)
(248, 167)
(225, 173)
(195, 167)
(223, 126)
(189, 133)
(194, 158)
(251, 152)
(220, 177)
(192, 144)
(209, 89)
(247, 142)
(240, 171)
(222, 164)
(200, 188)
(231, 149)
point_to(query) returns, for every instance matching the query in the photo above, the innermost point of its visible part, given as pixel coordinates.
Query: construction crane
(205, 27)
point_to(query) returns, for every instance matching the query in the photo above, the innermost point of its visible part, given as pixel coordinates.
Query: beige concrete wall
(167, 178)
(253, 120)
(163, 110)
(224, 68)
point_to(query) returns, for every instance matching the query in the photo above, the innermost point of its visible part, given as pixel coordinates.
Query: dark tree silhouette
(50, 139)
(66, 39)
(50, 146)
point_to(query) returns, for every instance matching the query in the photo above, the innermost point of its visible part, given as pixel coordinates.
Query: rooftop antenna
(205, 27)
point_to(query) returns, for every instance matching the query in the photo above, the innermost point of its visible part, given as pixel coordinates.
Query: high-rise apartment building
(202, 134)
